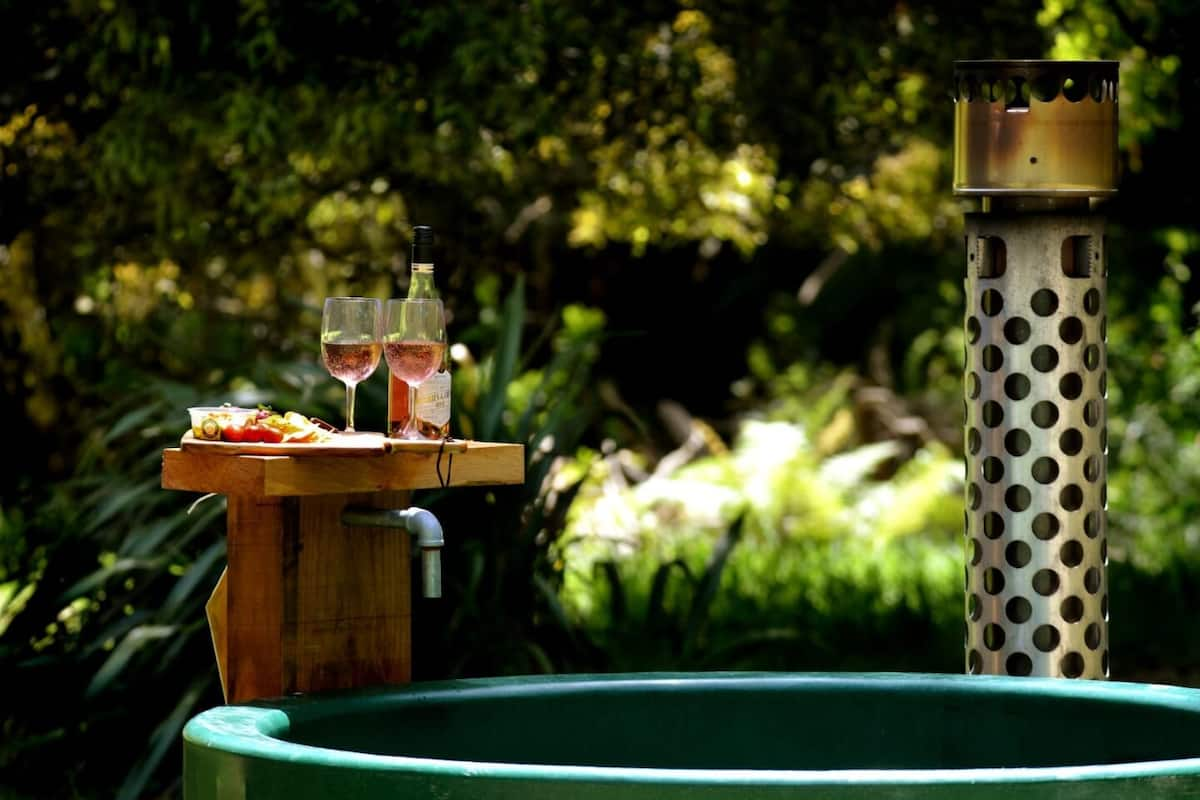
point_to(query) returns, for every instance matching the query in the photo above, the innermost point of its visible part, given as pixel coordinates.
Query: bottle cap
(422, 244)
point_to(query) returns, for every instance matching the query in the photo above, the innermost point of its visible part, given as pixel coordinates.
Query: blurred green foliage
(701, 258)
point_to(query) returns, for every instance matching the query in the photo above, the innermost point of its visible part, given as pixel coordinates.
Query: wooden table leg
(311, 605)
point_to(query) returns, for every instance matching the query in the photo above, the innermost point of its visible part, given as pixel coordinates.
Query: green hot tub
(706, 736)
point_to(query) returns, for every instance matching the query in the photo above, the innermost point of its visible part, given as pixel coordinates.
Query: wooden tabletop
(482, 464)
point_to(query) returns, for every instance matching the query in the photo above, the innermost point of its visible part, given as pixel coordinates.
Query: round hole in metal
(1104, 551)
(974, 496)
(993, 525)
(1091, 580)
(1044, 414)
(1045, 358)
(1045, 582)
(974, 662)
(1046, 638)
(1070, 330)
(1071, 497)
(1091, 356)
(993, 636)
(1091, 412)
(1091, 524)
(1104, 439)
(1104, 384)
(993, 469)
(1104, 607)
(1017, 498)
(973, 330)
(1091, 468)
(1018, 610)
(993, 414)
(1017, 554)
(1071, 553)
(1071, 441)
(1045, 526)
(1104, 328)
(1019, 664)
(1016, 442)
(993, 581)
(974, 440)
(976, 552)
(1071, 665)
(1072, 609)
(1091, 636)
(1104, 663)
(972, 385)
(1017, 330)
(1070, 385)
(1016, 386)
(1044, 302)
(1045, 470)
(991, 302)
(1091, 301)
(993, 358)
(974, 607)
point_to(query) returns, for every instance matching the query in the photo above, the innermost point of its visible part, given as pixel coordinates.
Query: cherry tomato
(253, 433)
(234, 433)
(270, 435)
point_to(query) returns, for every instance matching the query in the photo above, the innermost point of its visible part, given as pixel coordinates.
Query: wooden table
(306, 604)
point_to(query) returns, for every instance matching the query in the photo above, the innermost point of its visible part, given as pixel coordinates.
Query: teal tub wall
(703, 735)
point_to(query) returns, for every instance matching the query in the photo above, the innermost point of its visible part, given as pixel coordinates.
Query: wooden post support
(305, 603)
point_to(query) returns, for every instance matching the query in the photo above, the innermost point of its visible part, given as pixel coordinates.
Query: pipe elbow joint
(424, 525)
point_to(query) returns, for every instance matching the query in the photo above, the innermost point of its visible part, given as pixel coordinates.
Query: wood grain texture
(482, 464)
(206, 472)
(254, 599)
(308, 604)
(216, 612)
(349, 601)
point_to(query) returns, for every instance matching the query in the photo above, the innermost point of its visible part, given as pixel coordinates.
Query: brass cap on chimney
(1035, 128)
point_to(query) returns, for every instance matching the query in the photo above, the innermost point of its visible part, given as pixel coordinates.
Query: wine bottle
(432, 401)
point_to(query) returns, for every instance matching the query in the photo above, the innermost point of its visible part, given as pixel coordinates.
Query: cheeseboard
(340, 444)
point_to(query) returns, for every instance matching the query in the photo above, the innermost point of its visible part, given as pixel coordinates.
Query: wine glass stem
(410, 428)
(350, 387)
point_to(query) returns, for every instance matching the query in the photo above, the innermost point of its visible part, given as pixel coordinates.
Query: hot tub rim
(254, 730)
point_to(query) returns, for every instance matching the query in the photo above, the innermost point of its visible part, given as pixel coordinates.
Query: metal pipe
(420, 523)
(1036, 141)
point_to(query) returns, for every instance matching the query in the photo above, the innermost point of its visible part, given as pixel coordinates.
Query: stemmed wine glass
(414, 341)
(350, 343)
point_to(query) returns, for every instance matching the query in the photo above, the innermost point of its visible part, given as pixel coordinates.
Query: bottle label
(433, 401)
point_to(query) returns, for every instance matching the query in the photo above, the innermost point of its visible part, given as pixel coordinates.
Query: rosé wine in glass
(414, 361)
(350, 342)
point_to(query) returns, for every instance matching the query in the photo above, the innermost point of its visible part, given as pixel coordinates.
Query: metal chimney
(1036, 140)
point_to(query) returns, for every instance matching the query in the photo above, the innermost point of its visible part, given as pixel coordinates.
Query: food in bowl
(209, 421)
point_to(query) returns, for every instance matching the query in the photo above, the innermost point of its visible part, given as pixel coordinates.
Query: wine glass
(414, 341)
(350, 343)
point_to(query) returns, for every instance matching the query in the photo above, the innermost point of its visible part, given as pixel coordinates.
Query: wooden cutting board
(357, 444)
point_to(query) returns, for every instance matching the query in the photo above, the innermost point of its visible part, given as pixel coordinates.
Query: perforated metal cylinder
(1036, 445)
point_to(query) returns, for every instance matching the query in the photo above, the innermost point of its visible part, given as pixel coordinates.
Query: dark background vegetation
(701, 257)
